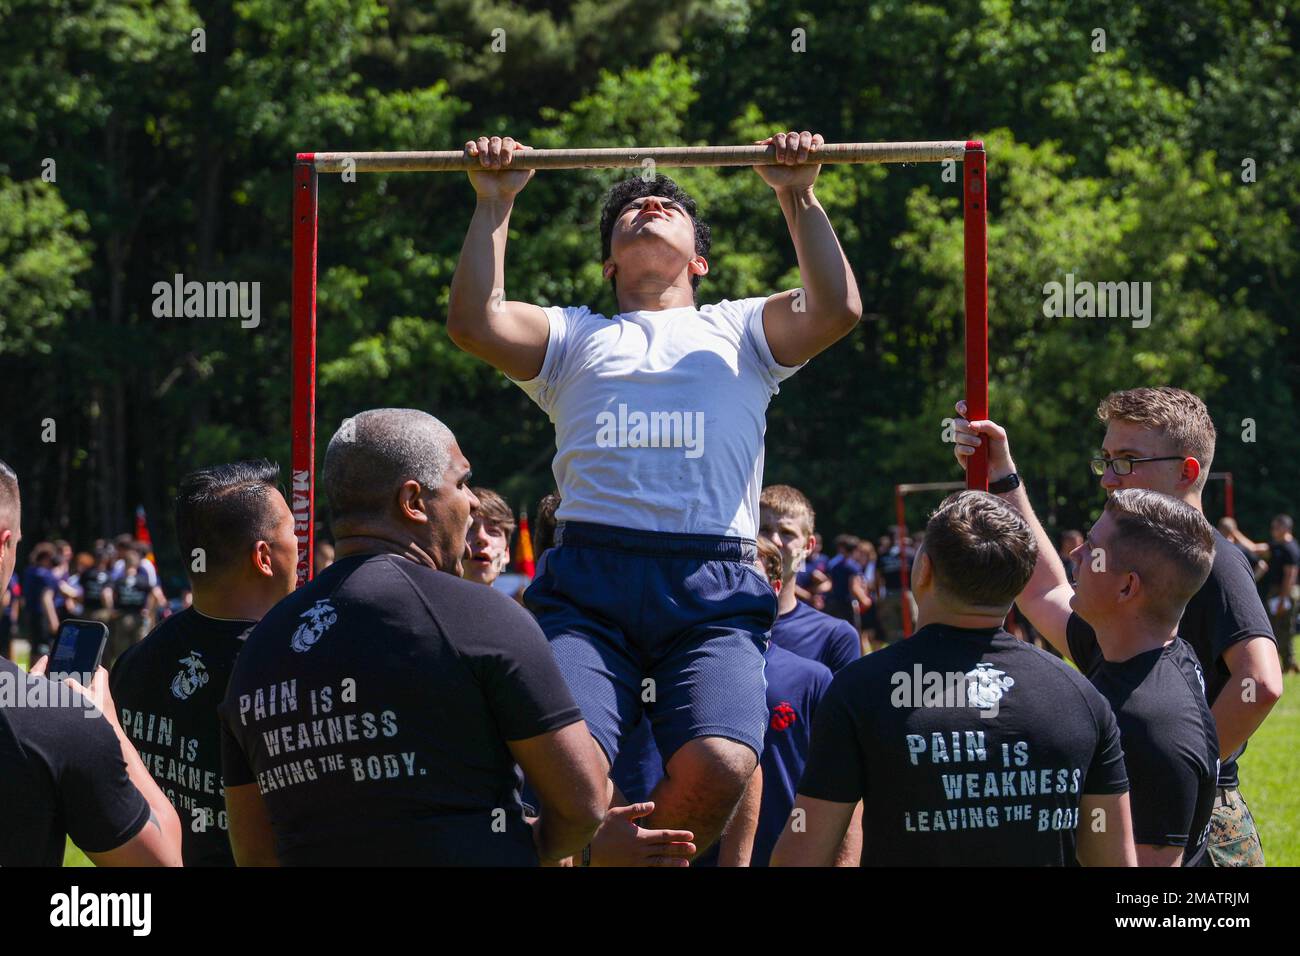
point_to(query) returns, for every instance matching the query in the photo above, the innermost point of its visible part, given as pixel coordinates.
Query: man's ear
(698, 266)
(410, 504)
(608, 269)
(262, 559)
(1191, 470)
(1132, 589)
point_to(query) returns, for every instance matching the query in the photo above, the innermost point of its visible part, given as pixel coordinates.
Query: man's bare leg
(703, 781)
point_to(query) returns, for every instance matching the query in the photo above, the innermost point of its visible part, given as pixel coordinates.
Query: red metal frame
(303, 410)
(975, 216)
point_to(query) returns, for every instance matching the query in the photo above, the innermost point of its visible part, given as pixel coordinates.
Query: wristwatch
(1010, 483)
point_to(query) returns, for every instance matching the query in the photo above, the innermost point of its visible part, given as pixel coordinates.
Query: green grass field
(1270, 772)
(1271, 778)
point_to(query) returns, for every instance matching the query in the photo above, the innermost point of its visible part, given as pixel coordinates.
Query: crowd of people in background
(115, 581)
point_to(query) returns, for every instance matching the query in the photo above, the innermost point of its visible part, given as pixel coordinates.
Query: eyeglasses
(1124, 466)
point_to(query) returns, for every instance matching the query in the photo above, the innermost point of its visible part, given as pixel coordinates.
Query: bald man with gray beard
(380, 714)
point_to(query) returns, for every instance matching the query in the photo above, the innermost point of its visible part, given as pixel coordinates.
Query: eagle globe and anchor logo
(986, 686)
(320, 616)
(194, 676)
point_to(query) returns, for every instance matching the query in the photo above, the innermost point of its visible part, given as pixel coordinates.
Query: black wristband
(586, 855)
(1010, 483)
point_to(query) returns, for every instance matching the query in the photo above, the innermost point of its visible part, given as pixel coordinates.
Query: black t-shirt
(1171, 746)
(968, 748)
(372, 709)
(1281, 555)
(889, 566)
(93, 582)
(167, 689)
(1225, 611)
(61, 775)
(131, 590)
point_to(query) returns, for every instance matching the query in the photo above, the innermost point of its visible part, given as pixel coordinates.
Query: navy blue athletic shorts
(690, 613)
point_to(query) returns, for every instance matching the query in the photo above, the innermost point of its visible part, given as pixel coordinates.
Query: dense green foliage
(1122, 165)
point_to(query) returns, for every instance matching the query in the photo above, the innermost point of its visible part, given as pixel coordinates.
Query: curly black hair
(629, 189)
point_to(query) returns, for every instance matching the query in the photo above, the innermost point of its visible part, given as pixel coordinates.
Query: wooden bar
(635, 156)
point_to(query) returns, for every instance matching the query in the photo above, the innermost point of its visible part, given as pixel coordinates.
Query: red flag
(142, 527)
(142, 534)
(524, 562)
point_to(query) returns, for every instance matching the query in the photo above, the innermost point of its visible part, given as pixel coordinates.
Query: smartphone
(77, 651)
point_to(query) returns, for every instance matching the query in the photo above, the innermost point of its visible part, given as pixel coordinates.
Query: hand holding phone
(77, 651)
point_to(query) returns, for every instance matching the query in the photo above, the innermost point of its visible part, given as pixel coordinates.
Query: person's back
(168, 688)
(986, 743)
(373, 706)
(966, 746)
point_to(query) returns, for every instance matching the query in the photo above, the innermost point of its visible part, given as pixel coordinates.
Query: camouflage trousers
(1234, 841)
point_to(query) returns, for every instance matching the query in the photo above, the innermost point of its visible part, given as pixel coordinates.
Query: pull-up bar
(622, 158)
(309, 166)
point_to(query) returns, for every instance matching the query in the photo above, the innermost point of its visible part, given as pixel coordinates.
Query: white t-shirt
(660, 416)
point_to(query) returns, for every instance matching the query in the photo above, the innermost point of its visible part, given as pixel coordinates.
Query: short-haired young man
(379, 714)
(659, 412)
(236, 536)
(1140, 564)
(967, 746)
(786, 518)
(1162, 439)
(490, 533)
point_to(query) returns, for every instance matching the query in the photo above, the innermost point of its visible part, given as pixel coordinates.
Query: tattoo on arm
(153, 818)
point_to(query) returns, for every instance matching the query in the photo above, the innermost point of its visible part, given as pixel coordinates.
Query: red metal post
(904, 571)
(975, 215)
(303, 411)
(1229, 506)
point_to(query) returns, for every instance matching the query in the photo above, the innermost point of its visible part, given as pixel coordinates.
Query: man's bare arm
(510, 336)
(817, 840)
(568, 772)
(1104, 836)
(850, 851)
(1250, 693)
(799, 323)
(159, 842)
(1045, 600)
